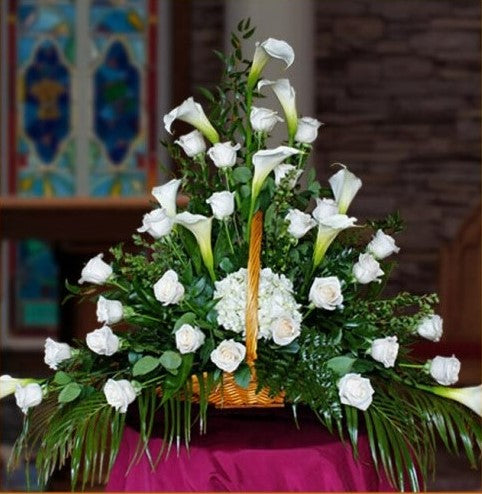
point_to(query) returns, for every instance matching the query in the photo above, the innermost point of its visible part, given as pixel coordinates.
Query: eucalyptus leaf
(133, 357)
(242, 174)
(170, 360)
(69, 393)
(341, 365)
(226, 265)
(62, 378)
(145, 365)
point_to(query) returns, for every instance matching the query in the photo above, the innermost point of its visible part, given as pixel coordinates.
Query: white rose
(325, 293)
(28, 396)
(168, 289)
(56, 353)
(102, 341)
(367, 269)
(385, 350)
(95, 271)
(8, 384)
(324, 209)
(382, 245)
(431, 328)
(285, 329)
(223, 154)
(307, 130)
(157, 223)
(286, 171)
(189, 338)
(445, 370)
(192, 143)
(263, 119)
(222, 204)
(228, 355)
(299, 223)
(119, 394)
(109, 311)
(356, 391)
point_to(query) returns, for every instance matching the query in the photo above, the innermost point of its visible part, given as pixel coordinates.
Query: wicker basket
(228, 394)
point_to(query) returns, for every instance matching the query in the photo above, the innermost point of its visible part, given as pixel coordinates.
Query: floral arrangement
(327, 337)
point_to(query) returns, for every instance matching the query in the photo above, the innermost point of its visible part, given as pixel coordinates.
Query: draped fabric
(250, 453)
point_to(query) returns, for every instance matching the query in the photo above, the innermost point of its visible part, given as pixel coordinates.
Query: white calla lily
(344, 185)
(166, 196)
(191, 112)
(328, 230)
(200, 226)
(286, 95)
(265, 162)
(471, 396)
(270, 48)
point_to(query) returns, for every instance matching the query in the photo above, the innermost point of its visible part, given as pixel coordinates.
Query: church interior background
(84, 85)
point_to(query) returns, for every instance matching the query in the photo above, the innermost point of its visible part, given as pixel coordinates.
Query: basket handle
(254, 267)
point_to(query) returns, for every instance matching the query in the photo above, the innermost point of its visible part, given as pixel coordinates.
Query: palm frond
(403, 424)
(86, 432)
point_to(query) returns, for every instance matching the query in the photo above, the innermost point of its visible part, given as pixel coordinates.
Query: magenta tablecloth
(251, 454)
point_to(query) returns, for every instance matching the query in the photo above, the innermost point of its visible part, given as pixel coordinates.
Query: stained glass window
(45, 59)
(82, 101)
(119, 146)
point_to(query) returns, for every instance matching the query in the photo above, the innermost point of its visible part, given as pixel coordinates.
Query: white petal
(279, 49)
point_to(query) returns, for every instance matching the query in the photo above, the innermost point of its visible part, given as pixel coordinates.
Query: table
(251, 452)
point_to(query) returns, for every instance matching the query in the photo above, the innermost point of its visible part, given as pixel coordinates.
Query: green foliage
(145, 365)
(69, 393)
(403, 425)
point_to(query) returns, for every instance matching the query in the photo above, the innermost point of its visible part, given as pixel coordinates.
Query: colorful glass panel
(37, 288)
(45, 52)
(116, 102)
(119, 151)
(46, 108)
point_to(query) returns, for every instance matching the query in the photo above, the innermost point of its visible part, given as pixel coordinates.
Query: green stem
(147, 317)
(415, 366)
(308, 312)
(189, 306)
(200, 159)
(118, 285)
(249, 130)
(229, 236)
(172, 245)
(226, 176)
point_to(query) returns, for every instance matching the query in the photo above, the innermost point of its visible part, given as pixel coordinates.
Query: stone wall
(398, 87)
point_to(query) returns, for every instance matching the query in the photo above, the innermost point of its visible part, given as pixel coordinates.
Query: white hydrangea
(275, 300)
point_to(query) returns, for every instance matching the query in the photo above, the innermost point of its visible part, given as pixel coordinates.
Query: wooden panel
(78, 219)
(460, 296)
